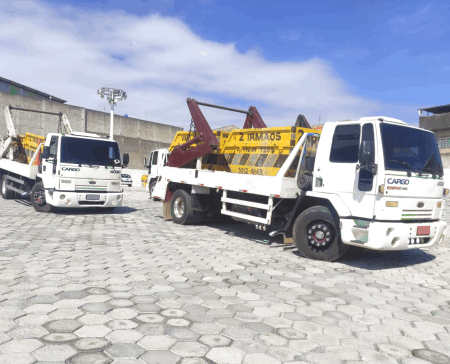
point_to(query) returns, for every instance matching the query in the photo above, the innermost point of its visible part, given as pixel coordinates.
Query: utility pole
(113, 95)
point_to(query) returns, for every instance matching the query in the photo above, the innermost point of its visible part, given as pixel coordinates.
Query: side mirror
(367, 153)
(46, 153)
(145, 162)
(125, 159)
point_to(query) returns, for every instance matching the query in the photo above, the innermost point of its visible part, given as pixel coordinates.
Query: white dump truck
(65, 169)
(375, 183)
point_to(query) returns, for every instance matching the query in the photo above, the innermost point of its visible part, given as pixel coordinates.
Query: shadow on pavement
(355, 258)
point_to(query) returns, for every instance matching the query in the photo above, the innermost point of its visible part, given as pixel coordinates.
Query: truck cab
(388, 177)
(158, 158)
(79, 170)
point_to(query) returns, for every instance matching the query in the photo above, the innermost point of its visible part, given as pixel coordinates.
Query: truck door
(49, 164)
(351, 169)
(154, 164)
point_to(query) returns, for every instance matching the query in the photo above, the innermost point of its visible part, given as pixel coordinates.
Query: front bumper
(391, 235)
(80, 199)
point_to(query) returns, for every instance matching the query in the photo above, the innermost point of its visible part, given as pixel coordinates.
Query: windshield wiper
(402, 163)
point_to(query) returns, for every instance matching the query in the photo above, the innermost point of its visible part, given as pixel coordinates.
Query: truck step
(362, 242)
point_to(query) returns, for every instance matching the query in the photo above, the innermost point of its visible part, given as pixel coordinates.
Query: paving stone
(258, 327)
(92, 331)
(54, 352)
(124, 350)
(90, 358)
(259, 359)
(182, 334)
(63, 325)
(121, 324)
(394, 351)
(91, 344)
(188, 349)
(156, 342)
(25, 332)
(55, 338)
(17, 358)
(159, 357)
(94, 319)
(123, 336)
(431, 356)
(225, 355)
(20, 346)
(96, 307)
(150, 318)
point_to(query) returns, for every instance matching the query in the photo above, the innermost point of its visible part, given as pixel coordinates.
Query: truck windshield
(407, 149)
(87, 151)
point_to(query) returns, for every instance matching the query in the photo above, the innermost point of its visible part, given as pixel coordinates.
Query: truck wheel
(38, 198)
(317, 236)
(6, 194)
(181, 209)
(151, 188)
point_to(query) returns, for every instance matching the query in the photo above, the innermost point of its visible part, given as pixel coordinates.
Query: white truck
(375, 183)
(74, 170)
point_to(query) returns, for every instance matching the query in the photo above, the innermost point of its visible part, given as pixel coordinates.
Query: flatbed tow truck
(375, 183)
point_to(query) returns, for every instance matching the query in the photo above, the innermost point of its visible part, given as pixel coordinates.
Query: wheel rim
(178, 207)
(320, 235)
(39, 197)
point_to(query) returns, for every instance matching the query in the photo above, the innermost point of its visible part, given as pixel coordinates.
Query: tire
(151, 188)
(304, 182)
(311, 230)
(6, 194)
(37, 198)
(181, 209)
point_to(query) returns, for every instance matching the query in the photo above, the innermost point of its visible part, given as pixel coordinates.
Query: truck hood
(398, 184)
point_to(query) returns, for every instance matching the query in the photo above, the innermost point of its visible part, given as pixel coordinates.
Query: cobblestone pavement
(88, 287)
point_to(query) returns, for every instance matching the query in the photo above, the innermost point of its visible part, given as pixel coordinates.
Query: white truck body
(82, 170)
(158, 158)
(399, 207)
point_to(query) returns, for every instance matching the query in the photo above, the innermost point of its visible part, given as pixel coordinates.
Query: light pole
(113, 95)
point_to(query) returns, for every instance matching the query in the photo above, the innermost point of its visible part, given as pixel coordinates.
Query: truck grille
(416, 214)
(99, 203)
(90, 188)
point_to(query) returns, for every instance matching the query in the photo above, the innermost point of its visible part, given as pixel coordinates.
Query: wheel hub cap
(320, 235)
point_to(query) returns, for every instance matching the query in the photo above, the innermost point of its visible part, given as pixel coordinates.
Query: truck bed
(270, 186)
(22, 169)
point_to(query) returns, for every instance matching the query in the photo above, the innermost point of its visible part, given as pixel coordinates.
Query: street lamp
(113, 95)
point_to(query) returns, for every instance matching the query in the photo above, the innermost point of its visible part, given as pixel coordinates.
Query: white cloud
(70, 53)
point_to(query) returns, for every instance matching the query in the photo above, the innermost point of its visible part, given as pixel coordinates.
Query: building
(13, 88)
(437, 120)
(135, 137)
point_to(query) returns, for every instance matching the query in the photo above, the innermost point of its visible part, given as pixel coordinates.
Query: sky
(328, 60)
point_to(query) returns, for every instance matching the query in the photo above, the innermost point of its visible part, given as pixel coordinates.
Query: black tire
(304, 182)
(6, 194)
(151, 188)
(317, 235)
(181, 209)
(37, 198)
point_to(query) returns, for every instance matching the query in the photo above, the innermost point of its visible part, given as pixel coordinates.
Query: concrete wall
(135, 137)
(439, 124)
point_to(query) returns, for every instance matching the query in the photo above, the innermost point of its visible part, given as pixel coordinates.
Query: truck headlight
(118, 197)
(391, 203)
(62, 197)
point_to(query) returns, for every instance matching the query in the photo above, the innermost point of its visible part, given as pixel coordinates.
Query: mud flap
(166, 211)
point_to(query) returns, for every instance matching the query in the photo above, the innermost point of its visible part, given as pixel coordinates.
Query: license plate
(423, 230)
(92, 197)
